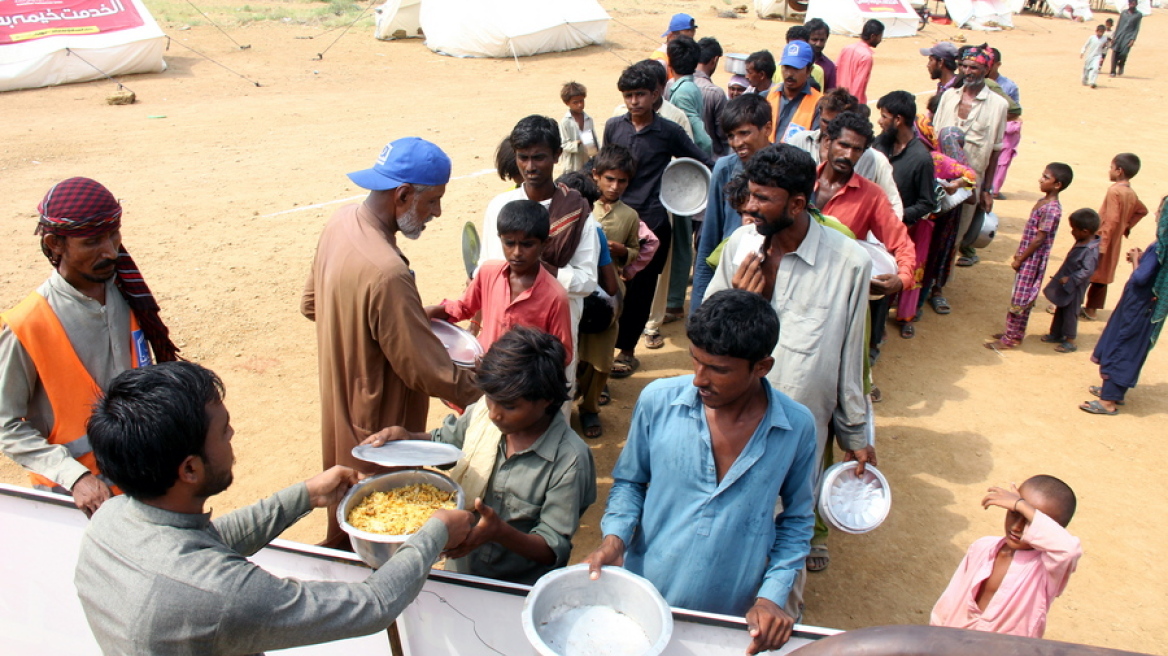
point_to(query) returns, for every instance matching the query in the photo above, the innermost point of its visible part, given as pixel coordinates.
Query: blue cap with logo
(681, 22)
(798, 54)
(409, 160)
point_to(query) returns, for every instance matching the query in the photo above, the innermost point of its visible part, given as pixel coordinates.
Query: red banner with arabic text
(877, 7)
(24, 20)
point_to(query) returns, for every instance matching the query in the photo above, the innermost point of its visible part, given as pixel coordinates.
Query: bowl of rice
(383, 511)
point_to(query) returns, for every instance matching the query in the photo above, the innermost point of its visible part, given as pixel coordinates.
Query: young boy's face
(734, 91)
(536, 164)
(576, 104)
(1047, 183)
(1016, 523)
(516, 416)
(747, 139)
(612, 184)
(1114, 173)
(1081, 234)
(640, 101)
(1099, 31)
(522, 251)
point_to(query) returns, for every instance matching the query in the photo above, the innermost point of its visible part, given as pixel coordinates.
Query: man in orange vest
(793, 107)
(59, 347)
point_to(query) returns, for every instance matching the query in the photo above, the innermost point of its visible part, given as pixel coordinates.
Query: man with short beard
(379, 361)
(62, 345)
(942, 64)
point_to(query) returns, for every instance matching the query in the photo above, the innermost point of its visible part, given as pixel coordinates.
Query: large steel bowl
(375, 548)
(617, 589)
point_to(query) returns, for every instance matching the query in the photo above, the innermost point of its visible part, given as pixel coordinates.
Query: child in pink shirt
(1007, 584)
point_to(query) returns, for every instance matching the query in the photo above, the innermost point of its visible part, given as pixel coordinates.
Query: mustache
(843, 160)
(105, 264)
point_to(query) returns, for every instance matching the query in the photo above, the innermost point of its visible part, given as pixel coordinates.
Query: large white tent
(495, 28)
(47, 42)
(848, 16)
(984, 14)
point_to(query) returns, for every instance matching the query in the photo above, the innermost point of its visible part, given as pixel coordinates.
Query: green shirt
(543, 490)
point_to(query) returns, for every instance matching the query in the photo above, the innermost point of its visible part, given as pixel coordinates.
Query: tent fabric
(848, 16)
(49, 42)
(984, 14)
(496, 28)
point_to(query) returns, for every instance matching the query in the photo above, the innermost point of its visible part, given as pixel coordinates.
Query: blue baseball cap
(798, 54)
(409, 160)
(681, 22)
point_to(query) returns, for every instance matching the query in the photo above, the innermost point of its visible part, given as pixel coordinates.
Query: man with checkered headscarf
(92, 319)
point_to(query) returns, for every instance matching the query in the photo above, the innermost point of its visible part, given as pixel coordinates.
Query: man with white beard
(379, 361)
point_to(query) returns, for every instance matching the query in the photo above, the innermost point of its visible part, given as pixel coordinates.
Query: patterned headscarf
(1160, 286)
(81, 207)
(981, 54)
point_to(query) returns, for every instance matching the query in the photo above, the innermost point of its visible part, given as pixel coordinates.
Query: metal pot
(989, 228)
(374, 548)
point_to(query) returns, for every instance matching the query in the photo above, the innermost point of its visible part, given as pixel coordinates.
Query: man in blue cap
(793, 107)
(679, 25)
(379, 361)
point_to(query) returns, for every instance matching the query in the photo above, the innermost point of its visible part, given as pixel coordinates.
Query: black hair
(1101, 27)
(899, 103)
(838, 100)
(783, 166)
(636, 77)
(657, 70)
(1129, 163)
(1062, 173)
(572, 89)
(525, 363)
(615, 157)
(734, 323)
(684, 54)
(997, 55)
(934, 101)
(150, 420)
(871, 28)
(505, 163)
(816, 25)
(947, 63)
(763, 62)
(851, 121)
(1057, 492)
(581, 182)
(525, 216)
(1085, 219)
(737, 192)
(710, 49)
(798, 33)
(748, 108)
(535, 130)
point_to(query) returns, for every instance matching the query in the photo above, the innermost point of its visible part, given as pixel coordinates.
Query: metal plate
(464, 349)
(685, 186)
(409, 453)
(854, 505)
(471, 248)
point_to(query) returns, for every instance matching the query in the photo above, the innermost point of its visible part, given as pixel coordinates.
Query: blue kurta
(1126, 340)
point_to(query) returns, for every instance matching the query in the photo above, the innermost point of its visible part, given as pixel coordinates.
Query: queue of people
(785, 319)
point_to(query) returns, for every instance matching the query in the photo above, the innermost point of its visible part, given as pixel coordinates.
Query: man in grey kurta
(1125, 37)
(156, 575)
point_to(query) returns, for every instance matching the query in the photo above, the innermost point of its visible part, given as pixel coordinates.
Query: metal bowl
(735, 63)
(462, 347)
(989, 229)
(568, 592)
(854, 504)
(685, 186)
(375, 548)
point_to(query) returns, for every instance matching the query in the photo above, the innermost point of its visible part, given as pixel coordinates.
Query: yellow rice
(399, 511)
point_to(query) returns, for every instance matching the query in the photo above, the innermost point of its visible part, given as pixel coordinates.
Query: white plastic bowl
(854, 504)
(569, 614)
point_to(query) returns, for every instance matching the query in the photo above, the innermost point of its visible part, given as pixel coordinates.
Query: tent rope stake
(170, 40)
(241, 47)
(73, 53)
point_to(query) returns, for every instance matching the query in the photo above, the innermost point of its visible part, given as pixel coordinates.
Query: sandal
(624, 366)
(1000, 344)
(1098, 392)
(1096, 408)
(940, 305)
(605, 397)
(968, 261)
(1050, 339)
(818, 559)
(590, 422)
(907, 331)
(1066, 347)
(654, 341)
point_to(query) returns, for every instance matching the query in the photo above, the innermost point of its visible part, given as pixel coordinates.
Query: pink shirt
(853, 70)
(544, 306)
(1035, 577)
(863, 207)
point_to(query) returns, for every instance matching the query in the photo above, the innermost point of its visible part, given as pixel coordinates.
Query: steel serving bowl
(617, 589)
(854, 504)
(685, 186)
(375, 548)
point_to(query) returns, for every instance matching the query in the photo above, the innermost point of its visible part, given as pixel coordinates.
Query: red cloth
(863, 207)
(544, 306)
(853, 70)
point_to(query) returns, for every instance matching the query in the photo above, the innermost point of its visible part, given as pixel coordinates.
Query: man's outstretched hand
(610, 552)
(770, 627)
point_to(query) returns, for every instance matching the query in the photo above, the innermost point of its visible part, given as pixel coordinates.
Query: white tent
(497, 28)
(47, 42)
(984, 14)
(848, 16)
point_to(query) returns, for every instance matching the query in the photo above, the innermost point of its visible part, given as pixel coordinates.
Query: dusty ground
(226, 186)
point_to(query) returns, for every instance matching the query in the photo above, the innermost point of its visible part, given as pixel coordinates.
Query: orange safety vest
(802, 118)
(71, 390)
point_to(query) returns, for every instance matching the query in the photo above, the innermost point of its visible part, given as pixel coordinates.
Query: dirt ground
(226, 187)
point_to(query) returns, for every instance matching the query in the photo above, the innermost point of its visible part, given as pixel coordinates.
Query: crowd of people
(819, 230)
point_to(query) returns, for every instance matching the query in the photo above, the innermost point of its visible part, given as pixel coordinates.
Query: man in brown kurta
(379, 361)
(1121, 211)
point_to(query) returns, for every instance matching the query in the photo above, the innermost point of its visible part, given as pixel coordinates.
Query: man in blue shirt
(692, 506)
(746, 121)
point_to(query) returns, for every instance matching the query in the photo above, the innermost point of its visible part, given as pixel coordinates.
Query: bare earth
(226, 187)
